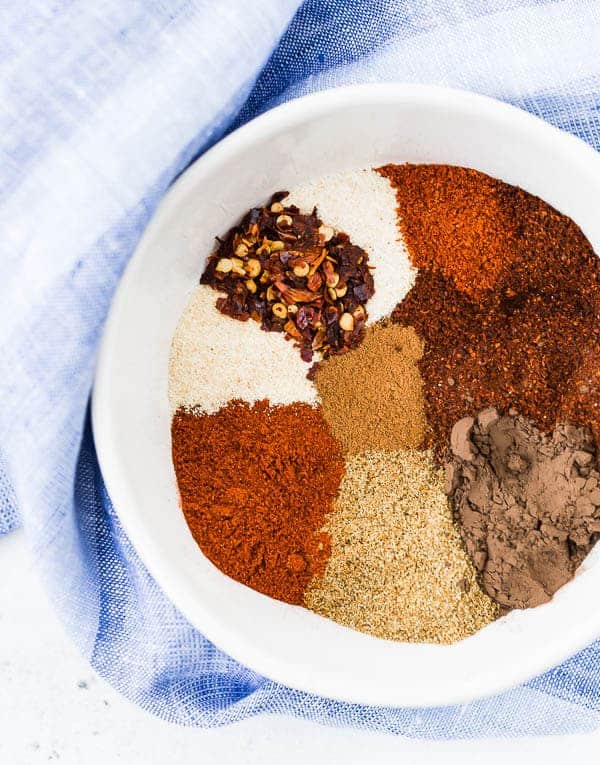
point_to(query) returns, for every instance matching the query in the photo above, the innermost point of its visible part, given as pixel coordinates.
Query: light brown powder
(398, 568)
(373, 397)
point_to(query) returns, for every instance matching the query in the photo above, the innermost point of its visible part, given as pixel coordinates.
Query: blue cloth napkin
(102, 105)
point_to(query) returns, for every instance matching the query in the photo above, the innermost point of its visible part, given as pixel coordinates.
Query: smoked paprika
(256, 483)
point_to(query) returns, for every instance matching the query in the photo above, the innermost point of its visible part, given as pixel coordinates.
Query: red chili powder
(457, 221)
(256, 483)
(581, 401)
(520, 341)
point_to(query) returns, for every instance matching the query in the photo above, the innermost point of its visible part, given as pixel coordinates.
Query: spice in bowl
(381, 382)
(520, 342)
(256, 483)
(293, 274)
(438, 464)
(528, 503)
(398, 569)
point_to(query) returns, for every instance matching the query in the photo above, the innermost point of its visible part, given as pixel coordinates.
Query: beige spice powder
(398, 568)
(372, 398)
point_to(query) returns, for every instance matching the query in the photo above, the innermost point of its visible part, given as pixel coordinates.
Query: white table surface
(53, 708)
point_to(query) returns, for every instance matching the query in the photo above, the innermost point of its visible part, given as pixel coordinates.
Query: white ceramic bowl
(352, 127)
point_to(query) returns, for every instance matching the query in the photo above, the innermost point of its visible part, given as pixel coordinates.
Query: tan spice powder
(373, 397)
(398, 568)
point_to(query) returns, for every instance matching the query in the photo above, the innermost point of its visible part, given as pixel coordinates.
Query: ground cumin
(372, 398)
(256, 483)
(520, 345)
(398, 568)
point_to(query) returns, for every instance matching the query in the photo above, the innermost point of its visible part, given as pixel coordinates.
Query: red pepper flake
(294, 275)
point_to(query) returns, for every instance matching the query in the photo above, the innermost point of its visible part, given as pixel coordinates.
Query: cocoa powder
(528, 503)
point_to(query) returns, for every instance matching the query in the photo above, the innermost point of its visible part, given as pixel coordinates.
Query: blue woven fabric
(103, 104)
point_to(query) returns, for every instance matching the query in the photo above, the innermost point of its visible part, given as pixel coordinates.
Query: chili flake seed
(291, 273)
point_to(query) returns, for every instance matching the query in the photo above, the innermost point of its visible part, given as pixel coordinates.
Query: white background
(53, 708)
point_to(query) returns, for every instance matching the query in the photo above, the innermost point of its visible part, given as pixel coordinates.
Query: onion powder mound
(215, 359)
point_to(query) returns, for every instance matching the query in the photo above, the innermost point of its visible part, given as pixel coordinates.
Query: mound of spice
(458, 221)
(295, 275)
(256, 483)
(210, 365)
(529, 504)
(520, 344)
(362, 203)
(372, 398)
(398, 567)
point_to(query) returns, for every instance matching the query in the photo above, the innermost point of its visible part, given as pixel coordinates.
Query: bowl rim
(272, 122)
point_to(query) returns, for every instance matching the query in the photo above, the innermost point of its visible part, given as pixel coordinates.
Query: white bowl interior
(355, 127)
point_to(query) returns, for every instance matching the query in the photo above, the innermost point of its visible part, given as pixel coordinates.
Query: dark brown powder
(529, 504)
